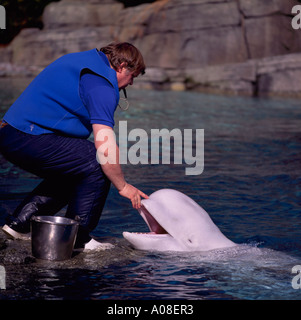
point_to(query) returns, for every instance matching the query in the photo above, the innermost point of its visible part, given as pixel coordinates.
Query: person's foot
(95, 245)
(14, 234)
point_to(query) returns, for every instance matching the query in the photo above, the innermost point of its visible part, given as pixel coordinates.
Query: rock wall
(208, 45)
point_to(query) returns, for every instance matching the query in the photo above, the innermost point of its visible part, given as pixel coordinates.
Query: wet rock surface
(29, 278)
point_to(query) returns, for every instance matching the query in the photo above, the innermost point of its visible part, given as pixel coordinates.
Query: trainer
(45, 132)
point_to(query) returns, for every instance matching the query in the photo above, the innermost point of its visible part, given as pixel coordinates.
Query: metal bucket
(53, 238)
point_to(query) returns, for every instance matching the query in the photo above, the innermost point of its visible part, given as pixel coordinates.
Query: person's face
(124, 77)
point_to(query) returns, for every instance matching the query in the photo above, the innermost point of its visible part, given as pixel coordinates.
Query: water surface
(250, 186)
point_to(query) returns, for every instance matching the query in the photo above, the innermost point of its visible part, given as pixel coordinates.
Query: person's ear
(121, 66)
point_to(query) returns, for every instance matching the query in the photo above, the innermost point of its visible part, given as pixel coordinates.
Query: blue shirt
(99, 98)
(60, 101)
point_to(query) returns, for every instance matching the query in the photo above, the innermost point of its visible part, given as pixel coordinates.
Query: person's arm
(108, 157)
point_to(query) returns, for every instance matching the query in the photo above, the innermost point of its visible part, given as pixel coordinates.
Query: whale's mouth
(153, 224)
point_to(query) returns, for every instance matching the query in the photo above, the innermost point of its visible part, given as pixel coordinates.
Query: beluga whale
(176, 223)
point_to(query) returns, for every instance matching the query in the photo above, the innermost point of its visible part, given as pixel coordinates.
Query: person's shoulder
(90, 78)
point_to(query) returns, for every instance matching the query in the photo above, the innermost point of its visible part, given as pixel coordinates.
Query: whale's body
(176, 223)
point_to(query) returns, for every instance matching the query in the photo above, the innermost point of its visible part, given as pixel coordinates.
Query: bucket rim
(48, 220)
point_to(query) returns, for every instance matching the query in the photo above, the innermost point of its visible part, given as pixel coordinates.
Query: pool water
(250, 186)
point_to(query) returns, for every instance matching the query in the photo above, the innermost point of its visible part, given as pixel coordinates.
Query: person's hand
(133, 194)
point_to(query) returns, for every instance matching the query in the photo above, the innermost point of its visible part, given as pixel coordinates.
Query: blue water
(250, 186)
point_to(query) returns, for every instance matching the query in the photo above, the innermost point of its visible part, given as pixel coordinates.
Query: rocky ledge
(243, 47)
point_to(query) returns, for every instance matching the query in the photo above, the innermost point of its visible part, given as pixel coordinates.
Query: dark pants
(72, 176)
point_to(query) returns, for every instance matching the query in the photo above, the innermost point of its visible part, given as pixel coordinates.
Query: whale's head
(176, 223)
